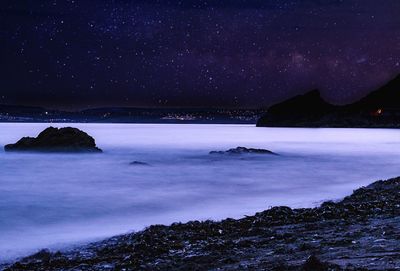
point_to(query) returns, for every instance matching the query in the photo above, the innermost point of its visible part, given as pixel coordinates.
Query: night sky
(236, 53)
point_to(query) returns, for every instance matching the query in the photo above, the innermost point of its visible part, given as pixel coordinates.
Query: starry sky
(215, 53)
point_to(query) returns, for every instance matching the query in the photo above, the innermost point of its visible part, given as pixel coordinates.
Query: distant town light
(377, 112)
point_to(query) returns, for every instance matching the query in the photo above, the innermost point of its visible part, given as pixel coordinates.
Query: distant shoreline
(144, 122)
(205, 123)
(9, 113)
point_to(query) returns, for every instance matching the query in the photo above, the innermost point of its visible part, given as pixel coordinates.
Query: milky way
(236, 53)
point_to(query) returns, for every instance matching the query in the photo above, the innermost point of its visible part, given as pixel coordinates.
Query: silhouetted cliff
(379, 109)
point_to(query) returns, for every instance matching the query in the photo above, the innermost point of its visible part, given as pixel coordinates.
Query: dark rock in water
(56, 140)
(138, 163)
(243, 150)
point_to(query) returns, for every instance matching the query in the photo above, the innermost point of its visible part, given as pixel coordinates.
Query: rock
(56, 140)
(43, 255)
(243, 150)
(379, 109)
(350, 234)
(310, 107)
(314, 264)
(138, 163)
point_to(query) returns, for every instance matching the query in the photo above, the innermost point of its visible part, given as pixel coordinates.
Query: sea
(59, 201)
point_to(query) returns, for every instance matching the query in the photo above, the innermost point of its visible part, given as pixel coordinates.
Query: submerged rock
(56, 140)
(243, 150)
(138, 163)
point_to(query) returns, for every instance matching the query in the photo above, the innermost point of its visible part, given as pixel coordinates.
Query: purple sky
(76, 53)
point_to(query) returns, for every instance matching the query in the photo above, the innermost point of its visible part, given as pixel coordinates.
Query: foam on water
(54, 200)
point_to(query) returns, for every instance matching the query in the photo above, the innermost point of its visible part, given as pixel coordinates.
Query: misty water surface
(53, 200)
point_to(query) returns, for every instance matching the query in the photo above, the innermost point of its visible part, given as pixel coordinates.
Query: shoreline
(68, 124)
(360, 232)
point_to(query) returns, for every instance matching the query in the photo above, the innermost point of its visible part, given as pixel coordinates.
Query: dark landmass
(379, 109)
(361, 232)
(56, 140)
(243, 150)
(130, 115)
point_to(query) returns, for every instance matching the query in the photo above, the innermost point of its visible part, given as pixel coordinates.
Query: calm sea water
(56, 200)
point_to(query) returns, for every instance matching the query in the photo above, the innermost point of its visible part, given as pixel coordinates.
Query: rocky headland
(56, 140)
(360, 232)
(379, 109)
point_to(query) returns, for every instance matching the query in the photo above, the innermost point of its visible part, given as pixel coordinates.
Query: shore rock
(361, 232)
(56, 140)
(243, 150)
